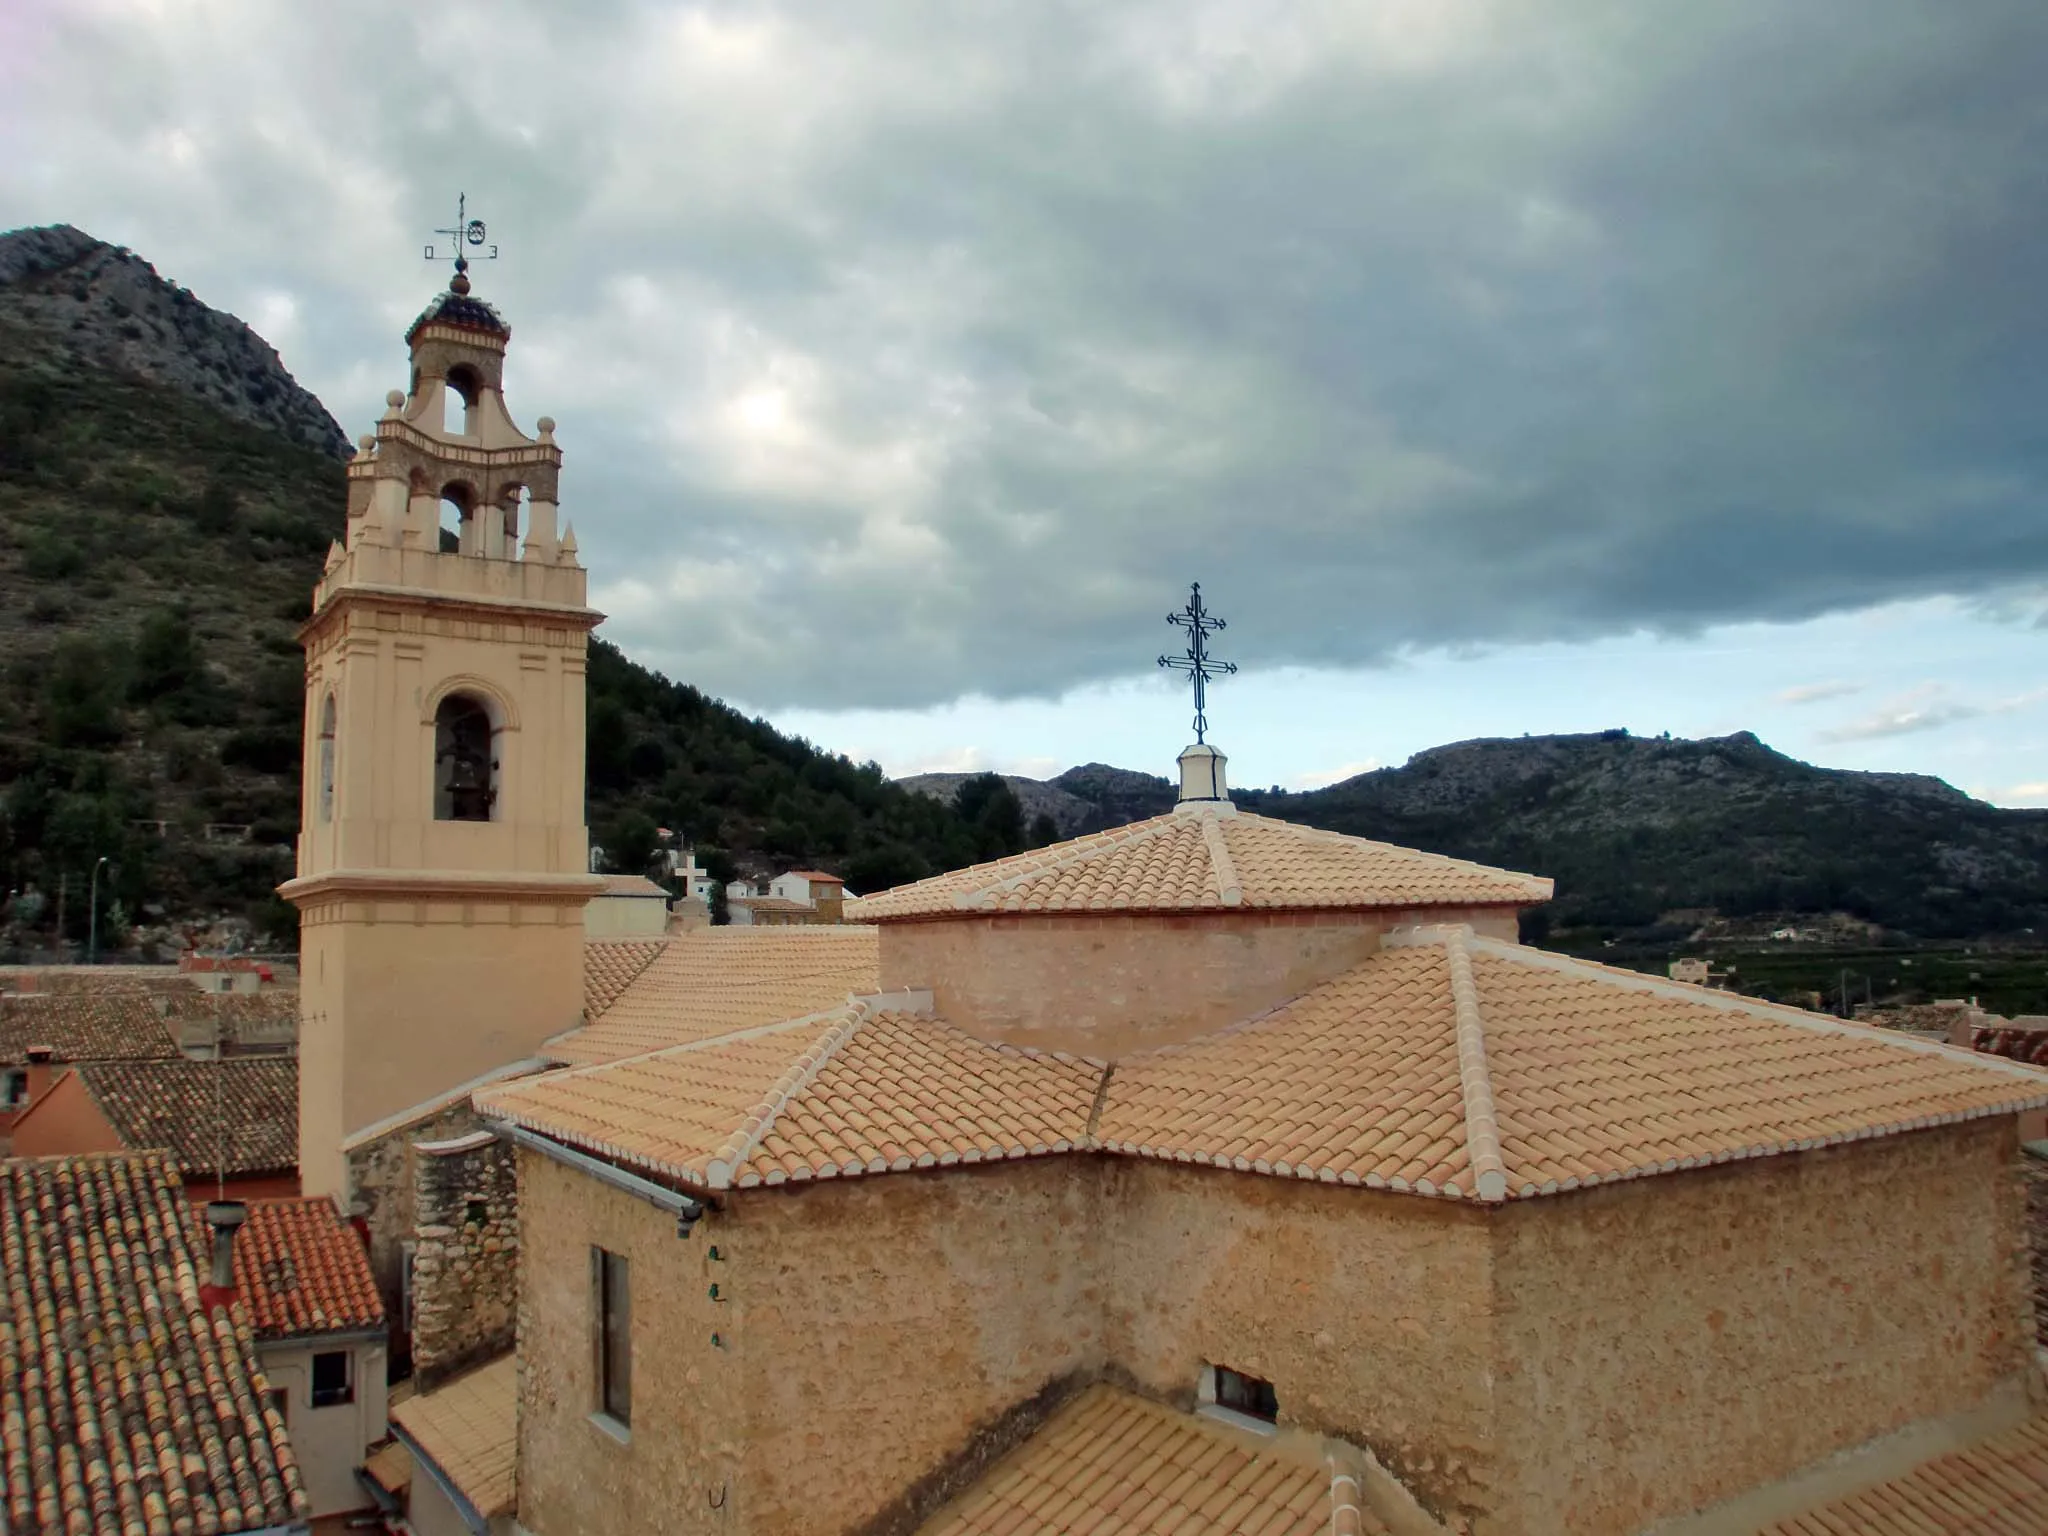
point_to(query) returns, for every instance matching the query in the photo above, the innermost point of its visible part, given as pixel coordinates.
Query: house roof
(1201, 859)
(716, 980)
(123, 1025)
(1111, 1462)
(810, 874)
(1445, 1065)
(1998, 1487)
(859, 1089)
(770, 904)
(123, 1405)
(609, 966)
(631, 885)
(469, 1429)
(302, 1270)
(234, 1117)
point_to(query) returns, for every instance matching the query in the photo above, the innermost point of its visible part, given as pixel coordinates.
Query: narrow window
(333, 1382)
(465, 773)
(407, 1250)
(325, 799)
(281, 1400)
(1244, 1394)
(15, 1090)
(613, 1309)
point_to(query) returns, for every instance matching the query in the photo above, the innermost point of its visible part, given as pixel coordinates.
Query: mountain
(1644, 833)
(78, 302)
(163, 518)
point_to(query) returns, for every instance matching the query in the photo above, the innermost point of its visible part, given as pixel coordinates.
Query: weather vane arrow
(465, 236)
(1199, 665)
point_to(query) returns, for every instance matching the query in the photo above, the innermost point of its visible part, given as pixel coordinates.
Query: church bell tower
(443, 858)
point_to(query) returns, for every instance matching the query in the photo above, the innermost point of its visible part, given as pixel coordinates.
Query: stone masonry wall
(1107, 984)
(466, 1260)
(1668, 1343)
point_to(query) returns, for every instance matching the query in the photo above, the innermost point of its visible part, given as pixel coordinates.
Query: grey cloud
(1818, 693)
(907, 351)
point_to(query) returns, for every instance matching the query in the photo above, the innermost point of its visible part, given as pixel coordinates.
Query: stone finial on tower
(1201, 776)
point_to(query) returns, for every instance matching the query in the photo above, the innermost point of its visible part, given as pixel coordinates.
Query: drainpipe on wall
(225, 1217)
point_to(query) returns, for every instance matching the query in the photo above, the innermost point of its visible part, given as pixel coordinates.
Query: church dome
(460, 309)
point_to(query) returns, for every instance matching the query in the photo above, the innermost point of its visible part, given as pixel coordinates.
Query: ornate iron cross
(465, 232)
(1198, 663)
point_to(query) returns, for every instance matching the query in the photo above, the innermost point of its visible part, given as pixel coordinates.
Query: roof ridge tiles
(1079, 851)
(1228, 890)
(730, 1158)
(1482, 1126)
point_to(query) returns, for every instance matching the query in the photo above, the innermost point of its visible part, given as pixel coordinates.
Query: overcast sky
(1496, 367)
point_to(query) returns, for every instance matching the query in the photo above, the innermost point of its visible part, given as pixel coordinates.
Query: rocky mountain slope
(1647, 832)
(79, 302)
(161, 528)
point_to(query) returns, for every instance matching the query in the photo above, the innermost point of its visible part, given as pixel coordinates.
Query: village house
(231, 1126)
(132, 1396)
(41, 1033)
(1208, 1169)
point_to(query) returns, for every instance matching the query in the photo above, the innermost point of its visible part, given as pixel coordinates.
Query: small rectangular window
(14, 1090)
(611, 1285)
(281, 1400)
(333, 1381)
(1244, 1394)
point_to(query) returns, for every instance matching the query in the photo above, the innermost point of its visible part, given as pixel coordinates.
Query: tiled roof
(810, 874)
(1112, 1464)
(1444, 1065)
(632, 885)
(1459, 1066)
(233, 1116)
(609, 967)
(302, 1270)
(469, 1428)
(450, 308)
(770, 904)
(125, 1025)
(716, 980)
(390, 1467)
(1998, 1487)
(123, 1406)
(1200, 859)
(862, 1089)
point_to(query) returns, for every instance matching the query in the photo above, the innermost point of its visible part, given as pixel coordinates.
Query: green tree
(81, 693)
(1044, 830)
(991, 807)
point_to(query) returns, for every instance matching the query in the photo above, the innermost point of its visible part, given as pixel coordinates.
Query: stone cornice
(443, 885)
(428, 600)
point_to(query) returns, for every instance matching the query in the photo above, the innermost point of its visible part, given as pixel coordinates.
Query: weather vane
(1198, 663)
(467, 232)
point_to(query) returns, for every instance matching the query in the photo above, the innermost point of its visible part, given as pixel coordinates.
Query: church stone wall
(1669, 1343)
(1370, 1313)
(1104, 985)
(465, 1286)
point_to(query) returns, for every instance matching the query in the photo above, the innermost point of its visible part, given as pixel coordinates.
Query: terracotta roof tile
(1113, 1464)
(125, 1025)
(1998, 1487)
(469, 1428)
(301, 1270)
(237, 1116)
(610, 966)
(1197, 859)
(390, 1467)
(123, 1405)
(716, 980)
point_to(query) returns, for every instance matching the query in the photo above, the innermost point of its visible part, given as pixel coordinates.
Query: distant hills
(1647, 833)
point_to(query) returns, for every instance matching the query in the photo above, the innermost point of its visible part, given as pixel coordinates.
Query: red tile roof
(302, 1270)
(124, 1406)
(1201, 859)
(126, 1025)
(235, 1117)
(610, 966)
(1998, 1487)
(469, 1428)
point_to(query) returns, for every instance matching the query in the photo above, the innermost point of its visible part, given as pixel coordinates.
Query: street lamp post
(92, 936)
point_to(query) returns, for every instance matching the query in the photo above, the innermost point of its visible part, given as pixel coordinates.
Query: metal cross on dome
(465, 232)
(1198, 663)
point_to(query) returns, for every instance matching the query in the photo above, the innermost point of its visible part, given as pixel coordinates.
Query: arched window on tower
(459, 528)
(324, 791)
(465, 760)
(458, 402)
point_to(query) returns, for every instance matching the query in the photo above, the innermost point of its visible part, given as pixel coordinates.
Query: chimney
(225, 1217)
(1201, 776)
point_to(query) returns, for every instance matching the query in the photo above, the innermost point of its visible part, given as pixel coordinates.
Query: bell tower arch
(443, 859)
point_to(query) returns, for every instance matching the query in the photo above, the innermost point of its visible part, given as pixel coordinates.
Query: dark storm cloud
(902, 352)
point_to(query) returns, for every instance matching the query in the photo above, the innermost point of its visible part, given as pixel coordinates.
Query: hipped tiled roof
(469, 1428)
(1445, 1065)
(1112, 1464)
(1998, 1487)
(301, 1270)
(610, 966)
(232, 1117)
(124, 1025)
(713, 981)
(1201, 859)
(124, 1406)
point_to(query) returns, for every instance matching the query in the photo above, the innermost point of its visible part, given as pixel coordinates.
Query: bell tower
(443, 859)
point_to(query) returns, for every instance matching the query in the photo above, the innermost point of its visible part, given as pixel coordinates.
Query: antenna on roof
(1199, 665)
